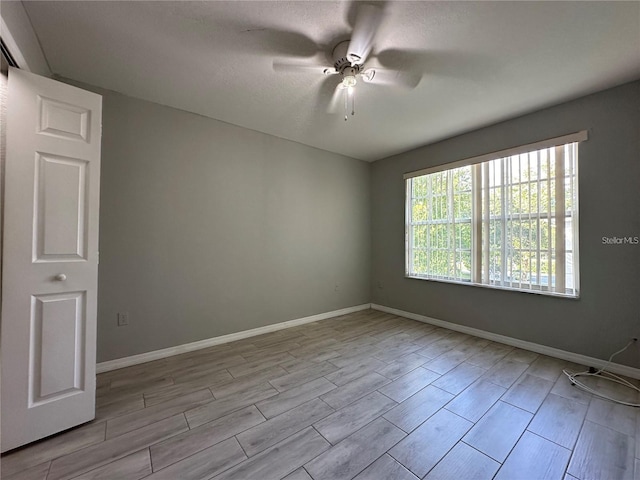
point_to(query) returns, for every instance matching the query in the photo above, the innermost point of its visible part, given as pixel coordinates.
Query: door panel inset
(62, 120)
(56, 350)
(61, 209)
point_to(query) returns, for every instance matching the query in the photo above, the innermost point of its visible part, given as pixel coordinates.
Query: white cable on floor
(602, 373)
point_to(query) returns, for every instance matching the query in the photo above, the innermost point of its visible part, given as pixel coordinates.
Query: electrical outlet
(123, 319)
(337, 287)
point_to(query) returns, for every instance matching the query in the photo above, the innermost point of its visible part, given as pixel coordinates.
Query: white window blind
(508, 222)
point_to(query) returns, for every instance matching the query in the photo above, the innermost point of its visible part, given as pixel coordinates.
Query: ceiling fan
(349, 57)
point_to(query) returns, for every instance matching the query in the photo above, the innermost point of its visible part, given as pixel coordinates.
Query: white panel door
(50, 269)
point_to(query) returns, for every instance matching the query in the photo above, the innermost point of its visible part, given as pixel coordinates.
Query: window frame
(477, 219)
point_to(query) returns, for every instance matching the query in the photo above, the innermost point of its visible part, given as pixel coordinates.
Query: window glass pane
(419, 210)
(527, 227)
(420, 236)
(419, 187)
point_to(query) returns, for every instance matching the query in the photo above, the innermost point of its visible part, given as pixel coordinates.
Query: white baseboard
(210, 342)
(514, 342)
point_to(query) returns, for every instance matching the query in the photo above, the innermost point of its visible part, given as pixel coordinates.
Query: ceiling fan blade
(443, 63)
(394, 78)
(367, 23)
(337, 99)
(286, 43)
(302, 68)
(269, 40)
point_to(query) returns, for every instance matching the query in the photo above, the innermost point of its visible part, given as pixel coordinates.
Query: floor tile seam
(306, 471)
(353, 433)
(329, 447)
(148, 379)
(468, 419)
(301, 356)
(634, 435)
(48, 470)
(416, 427)
(525, 429)
(113, 461)
(250, 387)
(550, 441)
(115, 392)
(544, 378)
(210, 387)
(284, 413)
(571, 451)
(512, 448)
(521, 361)
(416, 392)
(387, 396)
(467, 388)
(483, 366)
(153, 373)
(406, 373)
(153, 469)
(334, 409)
(256, 355)
(183, 412)
(515, 381)
(261, 412)
(176, 380)
(584, 419)
(121, 456)
(224, 470)
(264, 366)
(104, 439)
(353, 370)
(434, 466)
(246, 455)
(208, 446)
(388, 452)
(381, 416)
(359, 398)
(189, 392)
(566, 397)
(231, 413)
(480, 452)
(521, 408)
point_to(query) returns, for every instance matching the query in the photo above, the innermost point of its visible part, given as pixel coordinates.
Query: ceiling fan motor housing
(341, 61)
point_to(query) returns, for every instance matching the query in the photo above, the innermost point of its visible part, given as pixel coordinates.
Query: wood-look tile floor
(364, 396)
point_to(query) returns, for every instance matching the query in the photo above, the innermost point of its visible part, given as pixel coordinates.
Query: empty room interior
(326, 240)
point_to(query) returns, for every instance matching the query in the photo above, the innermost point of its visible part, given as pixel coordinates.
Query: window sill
(497, 287)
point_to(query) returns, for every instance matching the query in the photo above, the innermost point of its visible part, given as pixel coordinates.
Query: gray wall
(208, 229)
(608, 311)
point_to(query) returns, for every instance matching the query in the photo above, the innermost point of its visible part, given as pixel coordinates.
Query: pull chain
(346, 103)
(349, 93)
(353, 102)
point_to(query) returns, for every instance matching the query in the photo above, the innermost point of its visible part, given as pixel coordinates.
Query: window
(503, 220)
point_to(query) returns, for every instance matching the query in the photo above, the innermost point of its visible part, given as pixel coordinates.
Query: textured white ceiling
(480, 62)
